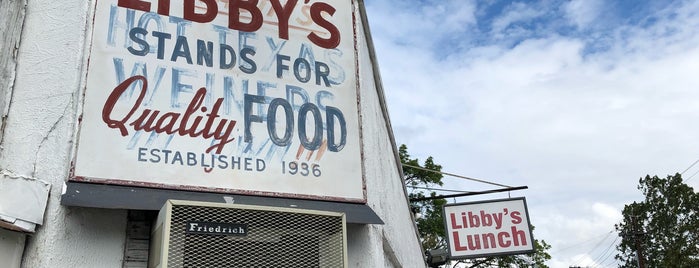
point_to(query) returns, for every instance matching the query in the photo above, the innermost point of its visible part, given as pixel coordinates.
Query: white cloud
(579, 126)
(609, 214)
(583, 12)
(450, 16)
(515, 12)
(408, 24)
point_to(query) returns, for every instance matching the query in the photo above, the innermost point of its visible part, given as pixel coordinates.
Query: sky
(575, 99)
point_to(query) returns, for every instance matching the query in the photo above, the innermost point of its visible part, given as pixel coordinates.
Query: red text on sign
(235, 22)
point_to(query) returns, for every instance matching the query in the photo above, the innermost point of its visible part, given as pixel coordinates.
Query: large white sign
(488, 228)
(251, 97)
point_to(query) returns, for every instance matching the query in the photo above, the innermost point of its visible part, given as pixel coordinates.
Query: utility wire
(690, 177)
(459, 176)
(593, 249)
(610, 263)
(599, 260)
(576, 245)
(690, 166)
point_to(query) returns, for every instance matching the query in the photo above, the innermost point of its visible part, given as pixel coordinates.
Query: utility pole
(640, 260)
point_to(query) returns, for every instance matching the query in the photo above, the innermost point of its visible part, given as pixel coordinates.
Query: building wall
(38, 138)
(12, 18)
(11, 247)
(385, 190)
(40, 128)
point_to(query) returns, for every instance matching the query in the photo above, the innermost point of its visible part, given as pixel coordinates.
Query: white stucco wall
(385, 194)
(38, 138)
(39, 134)
(11, 248)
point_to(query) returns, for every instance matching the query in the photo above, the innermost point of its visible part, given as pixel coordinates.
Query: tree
(536, 259)
(431, 223)
(664, 228)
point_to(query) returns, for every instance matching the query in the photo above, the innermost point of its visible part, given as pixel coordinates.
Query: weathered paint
(385, 189)
(11, 248)
(38, 133)
(178, 98)
(12, 19)
(41, 128)
(22, 200)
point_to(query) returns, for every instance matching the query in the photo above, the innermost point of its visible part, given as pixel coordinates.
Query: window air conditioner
(200, 234)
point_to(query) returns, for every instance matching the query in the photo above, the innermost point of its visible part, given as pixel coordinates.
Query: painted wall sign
(252, 97)
(488, 228)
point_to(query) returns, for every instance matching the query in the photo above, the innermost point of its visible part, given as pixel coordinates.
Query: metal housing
(273, 237)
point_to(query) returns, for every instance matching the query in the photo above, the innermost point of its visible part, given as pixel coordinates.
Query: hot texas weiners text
(198, 120)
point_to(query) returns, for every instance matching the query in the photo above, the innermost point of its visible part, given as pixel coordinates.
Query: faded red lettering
(306, 11)
(112, 99)
(234, 7)
(334, 40)
(164, 7)
(317, 13)
(209, 15)
(148, 120)
(135, 4)
(283, 14)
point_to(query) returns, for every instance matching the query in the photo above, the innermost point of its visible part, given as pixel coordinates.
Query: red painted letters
(283, 13)
(334, 39)
(186, 124)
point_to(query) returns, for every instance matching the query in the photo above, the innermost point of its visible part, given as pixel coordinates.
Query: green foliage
(419, 177)
(665, 226)
(536, 259)
(431, 223)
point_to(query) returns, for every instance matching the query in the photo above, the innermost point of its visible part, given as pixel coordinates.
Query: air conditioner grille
(273, 239)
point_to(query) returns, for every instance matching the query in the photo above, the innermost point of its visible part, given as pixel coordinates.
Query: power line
(593, 249)
(576, 245)
(458, 176)
(610, 262)
(601, 260)
(690, 177)
(690, 166)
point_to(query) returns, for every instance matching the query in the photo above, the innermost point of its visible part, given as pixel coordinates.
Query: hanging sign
(488, 228)
(250, 97)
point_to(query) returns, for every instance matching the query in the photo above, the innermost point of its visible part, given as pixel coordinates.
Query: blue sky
(505, 24)
(575, 99)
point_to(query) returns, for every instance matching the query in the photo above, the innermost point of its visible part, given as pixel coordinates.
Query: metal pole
(470, 193)
(636, 234)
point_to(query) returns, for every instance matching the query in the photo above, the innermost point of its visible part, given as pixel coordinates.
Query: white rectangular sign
(488, 228)
(241, 96)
